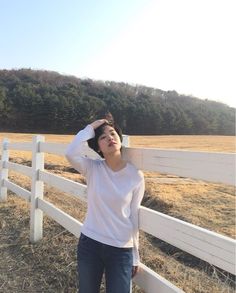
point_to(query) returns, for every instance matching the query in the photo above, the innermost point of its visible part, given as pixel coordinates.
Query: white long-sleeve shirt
(114, 197)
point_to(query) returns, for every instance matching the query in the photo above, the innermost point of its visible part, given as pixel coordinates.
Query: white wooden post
(37, 188)
(4, 170)
(125, 141)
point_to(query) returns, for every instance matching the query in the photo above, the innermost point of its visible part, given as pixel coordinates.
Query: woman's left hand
(135, 270)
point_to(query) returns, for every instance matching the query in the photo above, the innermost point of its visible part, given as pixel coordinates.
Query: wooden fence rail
(212, 247)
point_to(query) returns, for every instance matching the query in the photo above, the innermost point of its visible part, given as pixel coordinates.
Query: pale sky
(182, 45)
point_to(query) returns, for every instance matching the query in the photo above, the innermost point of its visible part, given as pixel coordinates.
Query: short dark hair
(93, 142)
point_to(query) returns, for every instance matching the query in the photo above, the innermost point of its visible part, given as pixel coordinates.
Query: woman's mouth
(111, 143)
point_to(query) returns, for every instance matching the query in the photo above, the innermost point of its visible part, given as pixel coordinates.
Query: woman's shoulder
(98, 162)
(135, 171)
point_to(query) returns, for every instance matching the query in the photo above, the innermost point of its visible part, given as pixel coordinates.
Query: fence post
(37, 188)
(4, 170)
(125, 143)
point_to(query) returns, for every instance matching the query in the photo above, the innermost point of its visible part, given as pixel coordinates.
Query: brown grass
(50, 265)
(207, 143)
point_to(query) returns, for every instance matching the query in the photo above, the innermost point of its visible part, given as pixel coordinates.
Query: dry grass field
(50, 265)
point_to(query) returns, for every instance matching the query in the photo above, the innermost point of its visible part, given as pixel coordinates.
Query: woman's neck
(115, 162)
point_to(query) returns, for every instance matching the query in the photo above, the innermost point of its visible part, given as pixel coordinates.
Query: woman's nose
(110, 137)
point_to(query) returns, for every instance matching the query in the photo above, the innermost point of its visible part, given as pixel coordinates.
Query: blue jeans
(94, 258)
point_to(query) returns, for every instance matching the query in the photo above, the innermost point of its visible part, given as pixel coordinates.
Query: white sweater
(114, 198)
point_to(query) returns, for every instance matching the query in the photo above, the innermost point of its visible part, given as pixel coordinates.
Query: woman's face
(109, 142)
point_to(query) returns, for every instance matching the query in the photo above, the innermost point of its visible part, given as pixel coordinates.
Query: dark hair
(93, 142)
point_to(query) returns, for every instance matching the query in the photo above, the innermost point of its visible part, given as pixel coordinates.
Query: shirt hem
(106, 240)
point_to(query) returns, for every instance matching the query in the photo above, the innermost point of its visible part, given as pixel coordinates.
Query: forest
(41, 101)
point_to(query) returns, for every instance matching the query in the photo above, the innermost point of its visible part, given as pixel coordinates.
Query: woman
(109, 236)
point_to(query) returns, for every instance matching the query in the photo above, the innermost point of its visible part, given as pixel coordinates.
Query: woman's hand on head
(98, 123)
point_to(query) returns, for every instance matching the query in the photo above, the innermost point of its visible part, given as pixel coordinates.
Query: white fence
(211, 247)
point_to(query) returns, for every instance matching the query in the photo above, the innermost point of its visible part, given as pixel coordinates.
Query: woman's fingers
(98, 123)
(135, 270)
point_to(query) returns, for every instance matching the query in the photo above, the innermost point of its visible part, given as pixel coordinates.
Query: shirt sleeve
(135, 205)
(75, 152)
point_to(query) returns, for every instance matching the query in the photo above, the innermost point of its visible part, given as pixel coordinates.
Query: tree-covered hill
(44, 101)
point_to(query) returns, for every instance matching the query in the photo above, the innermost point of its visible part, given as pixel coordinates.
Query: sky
(183, 45)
